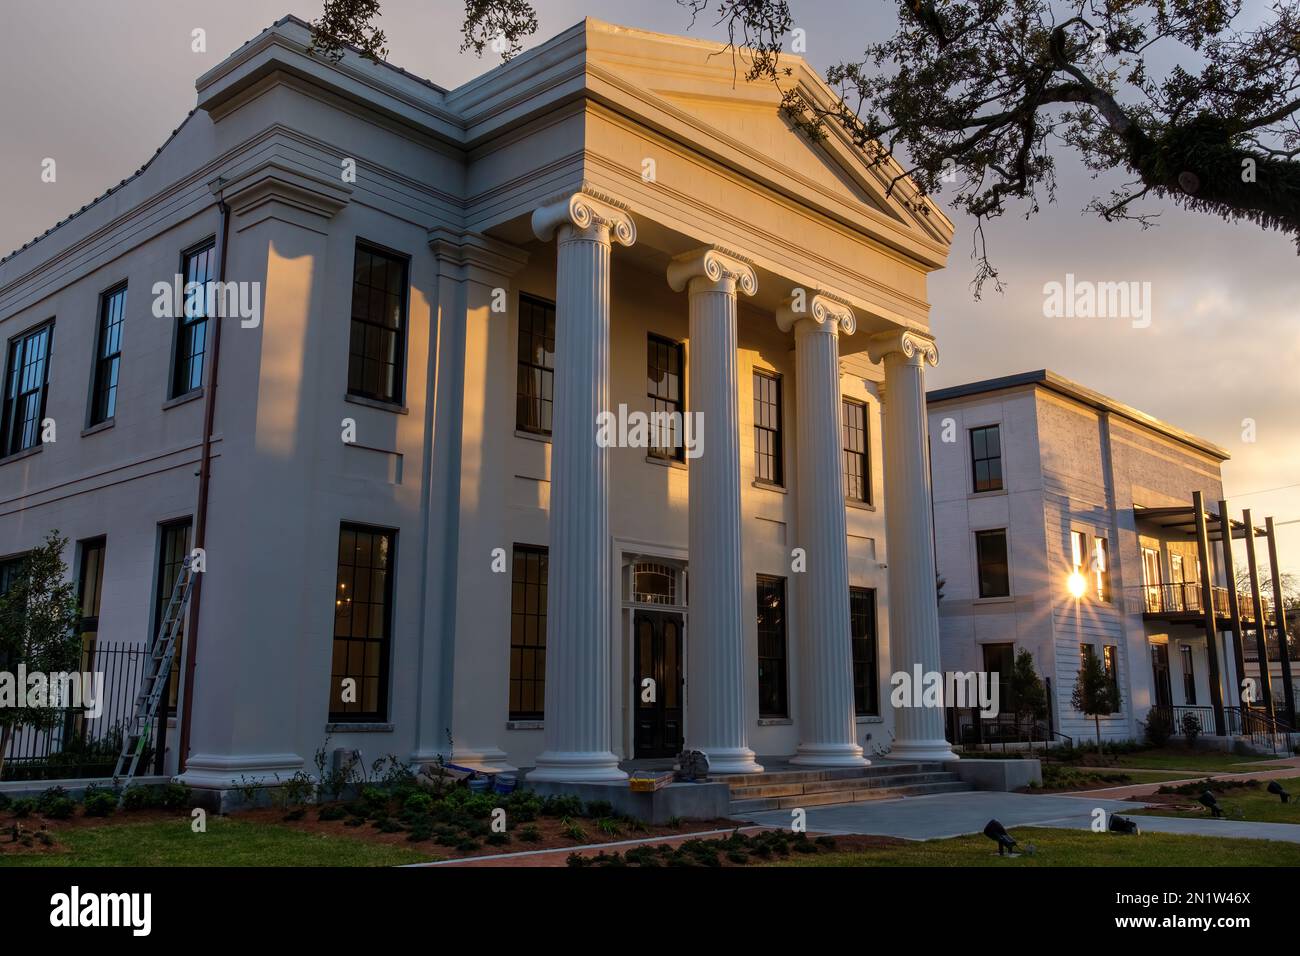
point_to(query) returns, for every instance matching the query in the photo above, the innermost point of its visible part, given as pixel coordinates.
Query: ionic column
(578, 735)
(827, 724)
(715, 639)
(909, 530)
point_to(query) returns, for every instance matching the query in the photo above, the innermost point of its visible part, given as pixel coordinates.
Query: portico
(581, 739)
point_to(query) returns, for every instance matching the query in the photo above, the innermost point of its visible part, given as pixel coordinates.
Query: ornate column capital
(916, 348)
(824, 310)
(591, 218)
(722, 271)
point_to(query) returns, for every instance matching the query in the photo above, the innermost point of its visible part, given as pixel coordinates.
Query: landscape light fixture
(1207, 800)
(1120, 824)
(1275, 788)
(996, 832)
(1077, 584)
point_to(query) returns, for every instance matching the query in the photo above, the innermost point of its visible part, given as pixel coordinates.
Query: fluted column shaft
(578, 735)
(827, 724)
(909, 529)
(715, 640)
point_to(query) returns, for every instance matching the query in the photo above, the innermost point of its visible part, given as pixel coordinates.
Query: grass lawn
(1256, 805)
(1099, 778)
(1175, 758)
(1070, 848)
(228, 842)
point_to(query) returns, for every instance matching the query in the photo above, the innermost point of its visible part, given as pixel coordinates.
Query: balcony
(1181, 602)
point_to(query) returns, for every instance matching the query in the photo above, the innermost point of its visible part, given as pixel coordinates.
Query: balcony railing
(1185, 598)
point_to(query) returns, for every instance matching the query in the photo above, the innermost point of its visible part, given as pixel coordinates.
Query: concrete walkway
(955, 814)
(946, 814)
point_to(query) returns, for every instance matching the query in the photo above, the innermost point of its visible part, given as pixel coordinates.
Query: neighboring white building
(407, 493)
(1037, 478)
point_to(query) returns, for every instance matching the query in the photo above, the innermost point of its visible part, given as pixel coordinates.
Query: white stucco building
(415, 543)
(1037, 478)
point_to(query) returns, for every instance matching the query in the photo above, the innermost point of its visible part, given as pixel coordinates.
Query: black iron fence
(1191, 720)
(82, 743)
(965, 727)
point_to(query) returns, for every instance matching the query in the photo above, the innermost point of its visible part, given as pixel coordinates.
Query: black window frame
(379, 713)
(769, 443)
(977, 459)
(980, 563)
(106, 367)
(773, 635)
(356, 381)
(1185, 654)
(849, 431)
(192, 329)
(1110, 664)
(662, 347)
(14, 431)
(534, 409)
(865, 635)
(528, 603)
(88, 604)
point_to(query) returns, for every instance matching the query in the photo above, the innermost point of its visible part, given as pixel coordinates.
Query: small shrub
(5, 802)
(1159, 727)
(599, 808)
(573, 830)
(420, 832)
(175, 796)
(467, 846)
(60, 809)
(498, 839)
(418, 804)
(609, 826)
(24, 807)
(50, 798)
(99, 803)
(390, 825)
(530, 834)
(332, 811)
(559, 805)
(139, 798)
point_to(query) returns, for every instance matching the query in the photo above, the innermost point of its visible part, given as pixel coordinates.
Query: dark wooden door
(657, 650)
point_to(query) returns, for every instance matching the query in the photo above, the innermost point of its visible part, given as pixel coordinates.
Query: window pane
(362, 625)
(536, 364)
(772, 697)
(375, 349)
(528, 633)
(991, 554)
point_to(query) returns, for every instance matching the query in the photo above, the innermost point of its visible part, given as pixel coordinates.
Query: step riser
(841, 797)
(846, 773)
(829, 786)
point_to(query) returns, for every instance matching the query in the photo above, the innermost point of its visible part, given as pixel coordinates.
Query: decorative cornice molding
(464, 254)
(916, 347)
(725, 270)
(588, 214)
(274, 183)
(823, 308)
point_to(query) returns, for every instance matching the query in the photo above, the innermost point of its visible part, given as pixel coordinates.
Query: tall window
(10, 568)
(767, 428)
(363, 624)
(1110, 660)
(27, 376)
(772, 697)
(991, 558)
(376, 353)
(1151, 579)
(1078, 551)
(1160, 671)
(1189, 674)
(862, 627)
(173, 548)
(108, 355)
(665, 387)
(90, 585)
(528, 633)
(857, 472)
(1000, 659)
(535, 391)
(198, 265)
(986, 458)
(1101, 567)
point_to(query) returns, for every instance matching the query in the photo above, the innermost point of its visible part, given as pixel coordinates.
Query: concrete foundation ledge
(18, 789)
(1001, 775)
(688, 801)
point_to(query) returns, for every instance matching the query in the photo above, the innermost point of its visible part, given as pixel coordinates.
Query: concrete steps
(784, 790)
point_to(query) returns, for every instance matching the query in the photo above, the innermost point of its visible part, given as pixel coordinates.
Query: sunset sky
(99, 84)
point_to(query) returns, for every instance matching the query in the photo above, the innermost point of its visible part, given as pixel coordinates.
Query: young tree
(1028, 696)
(1192, 101)
(38, 631)
(1093, 692)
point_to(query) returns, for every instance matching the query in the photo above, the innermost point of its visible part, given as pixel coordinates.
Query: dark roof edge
(1046, 378)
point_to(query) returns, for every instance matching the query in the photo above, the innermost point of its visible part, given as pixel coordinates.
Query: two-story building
(409, 431)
